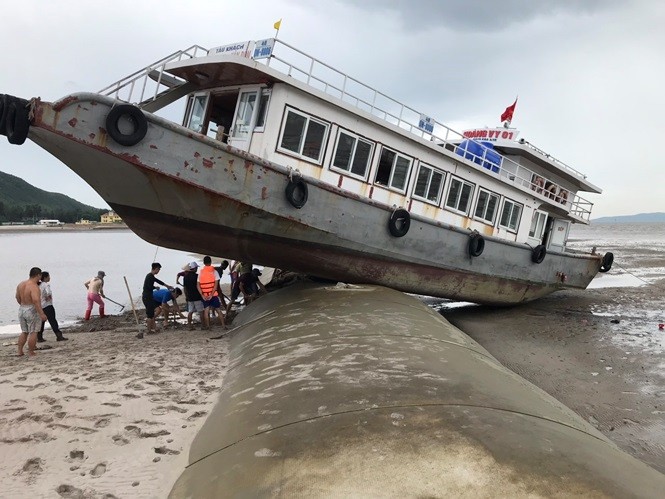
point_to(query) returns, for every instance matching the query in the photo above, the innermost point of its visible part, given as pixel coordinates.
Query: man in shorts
(194, 299)
(146, 297)
(162, 297)
(207, 286)
(30, 313)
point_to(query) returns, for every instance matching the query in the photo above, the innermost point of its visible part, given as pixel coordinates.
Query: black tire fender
(476, 244)
(297, 192)
(608, 260)
(133, 114)
(538, 253)
(399, 222)
(4, 99)
(17, 122)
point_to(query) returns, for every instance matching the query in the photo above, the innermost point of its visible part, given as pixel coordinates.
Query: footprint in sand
(163, 409)
(78, 455)
(69, 398)
(112, 404)
(69, 492)
(33, 465)
(166, 450)
(102, 423)
(119, 440)
(98, 470)
(130, 395)
(196, 415)
(47, 399)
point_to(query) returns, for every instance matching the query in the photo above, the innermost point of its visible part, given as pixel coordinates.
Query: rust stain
(64, 103)
(339, 181)
(197, 155)
(264, 193)
(371, 191)
(410, 204)
(153, 146)
(207, 163)
(92, 136)
(186, 164)
(258, 177)
(73, 122)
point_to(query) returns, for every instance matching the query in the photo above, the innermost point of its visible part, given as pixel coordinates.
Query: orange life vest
(207, 280)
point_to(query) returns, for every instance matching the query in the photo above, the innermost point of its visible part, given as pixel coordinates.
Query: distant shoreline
(14, 229)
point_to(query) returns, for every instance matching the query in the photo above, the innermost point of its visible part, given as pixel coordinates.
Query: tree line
(31, 213)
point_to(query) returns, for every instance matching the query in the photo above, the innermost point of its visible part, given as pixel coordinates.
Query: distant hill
(20, 201)
(640, 217)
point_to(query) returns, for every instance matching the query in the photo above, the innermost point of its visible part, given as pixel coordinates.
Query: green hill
(22, 202)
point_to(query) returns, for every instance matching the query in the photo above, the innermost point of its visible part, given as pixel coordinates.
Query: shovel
(113, 301)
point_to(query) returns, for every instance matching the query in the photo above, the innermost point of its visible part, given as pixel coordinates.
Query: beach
(108, 415)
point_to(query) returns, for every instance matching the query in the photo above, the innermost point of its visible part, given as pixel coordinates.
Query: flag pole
(277, 25)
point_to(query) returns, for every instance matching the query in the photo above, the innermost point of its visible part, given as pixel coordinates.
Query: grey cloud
(477, 15)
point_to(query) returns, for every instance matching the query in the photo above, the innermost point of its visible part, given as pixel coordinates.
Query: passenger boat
(286, 162)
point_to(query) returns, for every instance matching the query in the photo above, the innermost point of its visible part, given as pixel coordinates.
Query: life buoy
(563, 196)
(17, 122)
(538, 253)
(607, 261)
(296, 192)
(132, 114)
(476, 244)
(538, 184)
(399, 222)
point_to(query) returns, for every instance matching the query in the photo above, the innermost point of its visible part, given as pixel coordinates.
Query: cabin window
(459, 195)
(538, 225)
(303, 135)
(197, 110)
(393, 170)
(263, 110)
(352, 154)
(486, 206)
(510, 216)
(429, 184)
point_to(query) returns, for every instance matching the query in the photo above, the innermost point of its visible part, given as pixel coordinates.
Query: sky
(588, 74)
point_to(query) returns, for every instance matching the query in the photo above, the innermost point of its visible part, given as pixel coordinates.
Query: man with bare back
(30, 313)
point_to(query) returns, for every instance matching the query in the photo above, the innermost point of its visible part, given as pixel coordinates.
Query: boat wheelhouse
(284, 161)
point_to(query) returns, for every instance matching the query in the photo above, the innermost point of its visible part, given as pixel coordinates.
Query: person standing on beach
(207, 286)
(47, 306)
(193, 297)
(95, 287)
(30, 313)
(146, 296)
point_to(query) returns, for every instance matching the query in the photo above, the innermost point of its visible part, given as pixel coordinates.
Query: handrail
(377, 104)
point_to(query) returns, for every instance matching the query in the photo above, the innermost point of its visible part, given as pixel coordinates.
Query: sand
(107, 415)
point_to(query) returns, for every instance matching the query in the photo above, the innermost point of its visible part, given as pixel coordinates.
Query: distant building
(111, 218)
(50, 223)
(84, 221)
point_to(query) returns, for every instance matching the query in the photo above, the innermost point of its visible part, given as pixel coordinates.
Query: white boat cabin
(276, 102)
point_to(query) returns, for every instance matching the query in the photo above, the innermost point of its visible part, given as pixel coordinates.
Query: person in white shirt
(49, 310)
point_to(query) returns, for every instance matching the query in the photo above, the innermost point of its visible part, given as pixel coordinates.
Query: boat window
(510, 215)
(352, 154)
(198, 111)
(263, 110)
(429, 184)
(486, 206)
(303, 135)
(459, 195)
(393, 169)
(538, 224)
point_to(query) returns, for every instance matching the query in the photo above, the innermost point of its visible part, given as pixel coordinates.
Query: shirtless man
(30, 313)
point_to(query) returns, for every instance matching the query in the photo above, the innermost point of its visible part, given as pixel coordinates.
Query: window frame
(392, 170)
(538, 214)
(503, 207)
(309, 118)
(425, 199)
(496, 210)
(262, 111)
(450, 186)
(357, 138)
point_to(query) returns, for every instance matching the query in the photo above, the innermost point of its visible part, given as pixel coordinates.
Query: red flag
(508, 113)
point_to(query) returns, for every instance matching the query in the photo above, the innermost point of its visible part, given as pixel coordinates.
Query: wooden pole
(136, 316)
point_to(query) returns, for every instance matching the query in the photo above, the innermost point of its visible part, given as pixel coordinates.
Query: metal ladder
(150, 88)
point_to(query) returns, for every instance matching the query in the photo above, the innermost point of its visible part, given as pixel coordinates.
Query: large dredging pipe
(362, 391)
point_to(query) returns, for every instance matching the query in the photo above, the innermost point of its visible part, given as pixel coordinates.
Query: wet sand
(107, 415)
(598, 351)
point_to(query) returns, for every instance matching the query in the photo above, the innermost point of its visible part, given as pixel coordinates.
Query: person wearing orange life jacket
(207, 286)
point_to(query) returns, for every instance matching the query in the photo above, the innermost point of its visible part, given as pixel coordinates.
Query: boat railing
(146, 84)
(333, 82)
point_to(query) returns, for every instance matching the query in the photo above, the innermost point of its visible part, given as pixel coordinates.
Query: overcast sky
(589, 74)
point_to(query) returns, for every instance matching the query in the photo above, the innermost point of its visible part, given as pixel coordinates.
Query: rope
(629, 272)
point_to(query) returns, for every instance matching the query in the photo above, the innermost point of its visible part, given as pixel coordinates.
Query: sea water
(72, 258)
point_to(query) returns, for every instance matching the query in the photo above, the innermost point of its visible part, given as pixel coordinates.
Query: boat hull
(182, 190)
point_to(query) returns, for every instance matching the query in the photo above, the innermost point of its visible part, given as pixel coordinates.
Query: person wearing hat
(95, 287)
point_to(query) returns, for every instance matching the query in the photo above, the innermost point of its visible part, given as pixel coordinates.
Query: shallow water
(74, 257)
